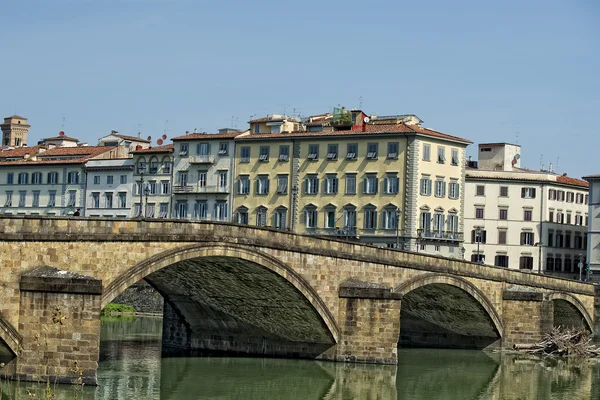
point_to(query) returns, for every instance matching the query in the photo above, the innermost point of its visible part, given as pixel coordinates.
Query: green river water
(131, 367)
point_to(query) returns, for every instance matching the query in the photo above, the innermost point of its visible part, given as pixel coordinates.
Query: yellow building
(357, 181)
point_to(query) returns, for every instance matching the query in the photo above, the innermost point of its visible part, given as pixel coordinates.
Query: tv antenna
(360, 102)
(166, 125)
(234, 121)
(63, 121)
(517, 135)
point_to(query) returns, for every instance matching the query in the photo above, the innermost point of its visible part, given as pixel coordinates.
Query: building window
(244, 184)
(280, 218)
(275, 128)
(352, 151)
(560, 218)
(426, 152)
(223, 148)
(36, 198)
(96, 180)
(261, 216)
(568, 218)
(560, 195)
(550, 239)
(53, 178)
(73, 178)
(203, 149)
(22, 198)
(220, 211)
(23, 177)
(123, 179)
(503, 191)
(350, 183)
(527, 238)
(559, 239)
(282, 184)
(95, 200)
(52, 198)
(181, 209)
(36, 178)
(393, 150)
(568, 240)
(201, 210)
(183, 178)
(311, 184)
(439, 221)
(284, 153)
(528, 193)
(108, 200)
(223, 180)
(479, 212)
(453, 190)
(370, 216)
(313, 151)
(122, 196)
(109, 180)
(526, 262)
(478, 258)
(262, 184)
(10, 177)
(245, 154)
(453, 223)
(165, 187)
(440, 188)
(454, 156)
(264, 153)
(527, 215)
(332, 152)
(558, 263)
(441, 154)
(503, 214)
(372, 150)
(331, 184)
(480, 190)
(551, 216)
(478, 238)
(570, 197)
(349, 216)
(256, 128)
(425, 221)
(425, 186)
(183, 151)
(150, 209)
(330, 217)
(370, 184)
(389, 218)
(391, 183)
(501, 261)
(549, 263)
(8, 202)
(72, 198)
(311, 216)
(242, 216)
(502, 237)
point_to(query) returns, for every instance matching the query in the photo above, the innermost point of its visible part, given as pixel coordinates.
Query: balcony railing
(207, 159)
(201, 189)
(440, 235)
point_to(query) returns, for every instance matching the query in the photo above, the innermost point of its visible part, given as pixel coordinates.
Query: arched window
(261, 216)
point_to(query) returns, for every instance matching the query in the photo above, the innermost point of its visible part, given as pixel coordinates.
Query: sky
(525, 72)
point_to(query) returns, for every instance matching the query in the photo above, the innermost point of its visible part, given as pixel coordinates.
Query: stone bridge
(255, 291)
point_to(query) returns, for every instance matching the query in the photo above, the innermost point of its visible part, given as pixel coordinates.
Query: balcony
(216, 189)
(206, 159)
(440, 235)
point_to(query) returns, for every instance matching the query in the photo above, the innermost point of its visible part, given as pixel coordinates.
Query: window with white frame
(311, 216)
(311, 184)
(330, 217)
(527, 238)
(332, 151)
(426, 152)
(425, 221)
(352, 151)
(23, 178)
(72, 198)
(220, 212)
(183, 178)
(202, 179)
(261, 216)
(282, 184)
(284, 153)
(441, 154)
(280, 218)
(36, 198)
(223, 180)
(390, 216)
(528, 193)
(349, 216)
(372, 150)
(454, 156)
(551, 194)
(52, 178)
(152, 187)
(262, 184)
(331, 184)
(453, 190)
(201, 210)
(183, 151)
(223, 148)
(425, 186)
(391, 183)
(203, 149)
(8, 202)
(52, 198)
(370, 184)
(570, 197)
(350, 183)
(165, 187)
(181, 209)
(242, 216)
(22, 198)
(36, 178)
(393, 150)
(122, 198)
(370, 218)
(244, 184)
(452, 223)
(439, 222)
(313, 151)
(95, 200)
(440, 188)
(264, 153)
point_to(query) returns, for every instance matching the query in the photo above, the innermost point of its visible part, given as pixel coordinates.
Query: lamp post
(147, 192)
(539, 245)
(478, 236)
(462, 250)
(141, 170)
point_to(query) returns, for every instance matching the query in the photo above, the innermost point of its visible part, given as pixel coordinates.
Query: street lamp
(478, 236)
(539, 245)
(462, 250)
(398, 212)
(147, 192)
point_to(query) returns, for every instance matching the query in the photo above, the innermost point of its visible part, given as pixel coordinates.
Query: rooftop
(158, 149)
(55, 155)
(207, 136)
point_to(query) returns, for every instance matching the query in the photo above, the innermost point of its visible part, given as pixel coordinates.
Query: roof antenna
(557, 159)
(166, 130)
(542, 162)
(360, 102)
(63, 121)
(517, 137)
(234, 121)
(139, 129)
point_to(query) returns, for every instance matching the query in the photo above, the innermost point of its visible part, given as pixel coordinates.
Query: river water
(131, 367)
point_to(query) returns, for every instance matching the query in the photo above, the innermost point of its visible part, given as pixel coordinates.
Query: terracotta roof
(62, 138)
(572, 181)
(207, 136)
(266, 119)
(83, 154)
(158, 149)
(18, 151)
(132, 138)
(84, 151)
(370, 129)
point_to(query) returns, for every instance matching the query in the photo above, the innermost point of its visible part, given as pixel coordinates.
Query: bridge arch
(575, 302)
(215, 249)
(428, 279)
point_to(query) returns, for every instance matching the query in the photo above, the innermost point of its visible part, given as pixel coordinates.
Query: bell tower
(14, 131)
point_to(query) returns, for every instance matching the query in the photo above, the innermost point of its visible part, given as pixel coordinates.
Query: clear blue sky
(476, 69)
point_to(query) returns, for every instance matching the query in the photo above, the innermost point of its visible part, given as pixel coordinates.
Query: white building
(203, 175)
(109, 188)
(46, 180)
(523, 219)
(593, 252)
(153, 175)
(130, 142)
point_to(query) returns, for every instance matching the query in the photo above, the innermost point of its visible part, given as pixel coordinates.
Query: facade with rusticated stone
(246, 290)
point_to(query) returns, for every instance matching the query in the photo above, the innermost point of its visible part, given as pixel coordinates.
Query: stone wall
(143, 297)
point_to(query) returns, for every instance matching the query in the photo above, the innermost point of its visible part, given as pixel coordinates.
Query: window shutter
(443, 189)
(258, 186)
(473, 236)
(306, 185)
(522, 195)
(532, 193)
(483, 237)
(316, 185)
(457, 194)
(267, 182)
(208, 148)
